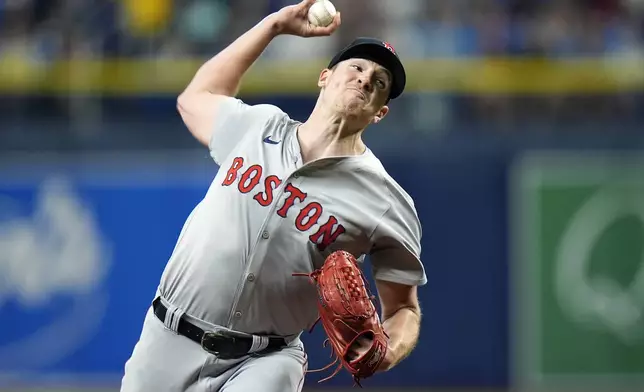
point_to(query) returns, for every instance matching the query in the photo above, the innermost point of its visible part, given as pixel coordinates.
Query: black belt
(222, 345)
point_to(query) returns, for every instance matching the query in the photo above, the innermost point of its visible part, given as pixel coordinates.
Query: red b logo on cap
(388, 46)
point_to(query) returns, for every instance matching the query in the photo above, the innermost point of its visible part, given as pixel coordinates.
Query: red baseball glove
(348, 313)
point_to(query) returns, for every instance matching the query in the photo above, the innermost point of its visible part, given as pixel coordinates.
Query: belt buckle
(215, 335)
(209, 335)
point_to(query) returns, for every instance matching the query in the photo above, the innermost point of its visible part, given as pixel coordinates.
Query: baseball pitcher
(277, 241)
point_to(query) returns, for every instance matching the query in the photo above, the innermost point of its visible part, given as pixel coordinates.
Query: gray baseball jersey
(268, 215)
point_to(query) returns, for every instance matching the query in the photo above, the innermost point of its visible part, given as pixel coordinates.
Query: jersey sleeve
(234, 120)
(395, 254)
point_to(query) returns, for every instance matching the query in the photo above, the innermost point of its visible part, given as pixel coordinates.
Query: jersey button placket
(250, 276)
(258, 253)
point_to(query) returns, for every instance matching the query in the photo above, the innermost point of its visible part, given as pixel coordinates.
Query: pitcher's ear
(381, 114)
(324, 77)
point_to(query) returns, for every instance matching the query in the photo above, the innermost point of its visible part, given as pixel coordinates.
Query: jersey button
(265, 235)
(238, 315)
(251, 277)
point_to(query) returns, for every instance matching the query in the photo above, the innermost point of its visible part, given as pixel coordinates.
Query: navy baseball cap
(380, 52)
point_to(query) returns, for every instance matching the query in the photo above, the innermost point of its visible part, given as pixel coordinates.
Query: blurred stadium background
(520, 138)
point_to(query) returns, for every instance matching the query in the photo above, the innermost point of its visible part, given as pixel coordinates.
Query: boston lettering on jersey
(307, 216)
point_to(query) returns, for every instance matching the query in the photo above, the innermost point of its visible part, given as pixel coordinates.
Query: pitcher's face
(358, 88)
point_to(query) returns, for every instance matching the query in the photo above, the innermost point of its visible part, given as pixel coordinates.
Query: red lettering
(307, 217)
(231, 175)
(327, 233)
(310, 220)
(294, 193)
(266, 198)
(250, 179)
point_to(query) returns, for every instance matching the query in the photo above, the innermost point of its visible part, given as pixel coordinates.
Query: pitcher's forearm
(223, 73)
(403, 329)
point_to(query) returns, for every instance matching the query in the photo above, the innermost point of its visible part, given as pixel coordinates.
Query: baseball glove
(348, 313)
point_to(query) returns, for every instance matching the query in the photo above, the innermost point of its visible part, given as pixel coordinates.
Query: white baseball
(321, 13)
